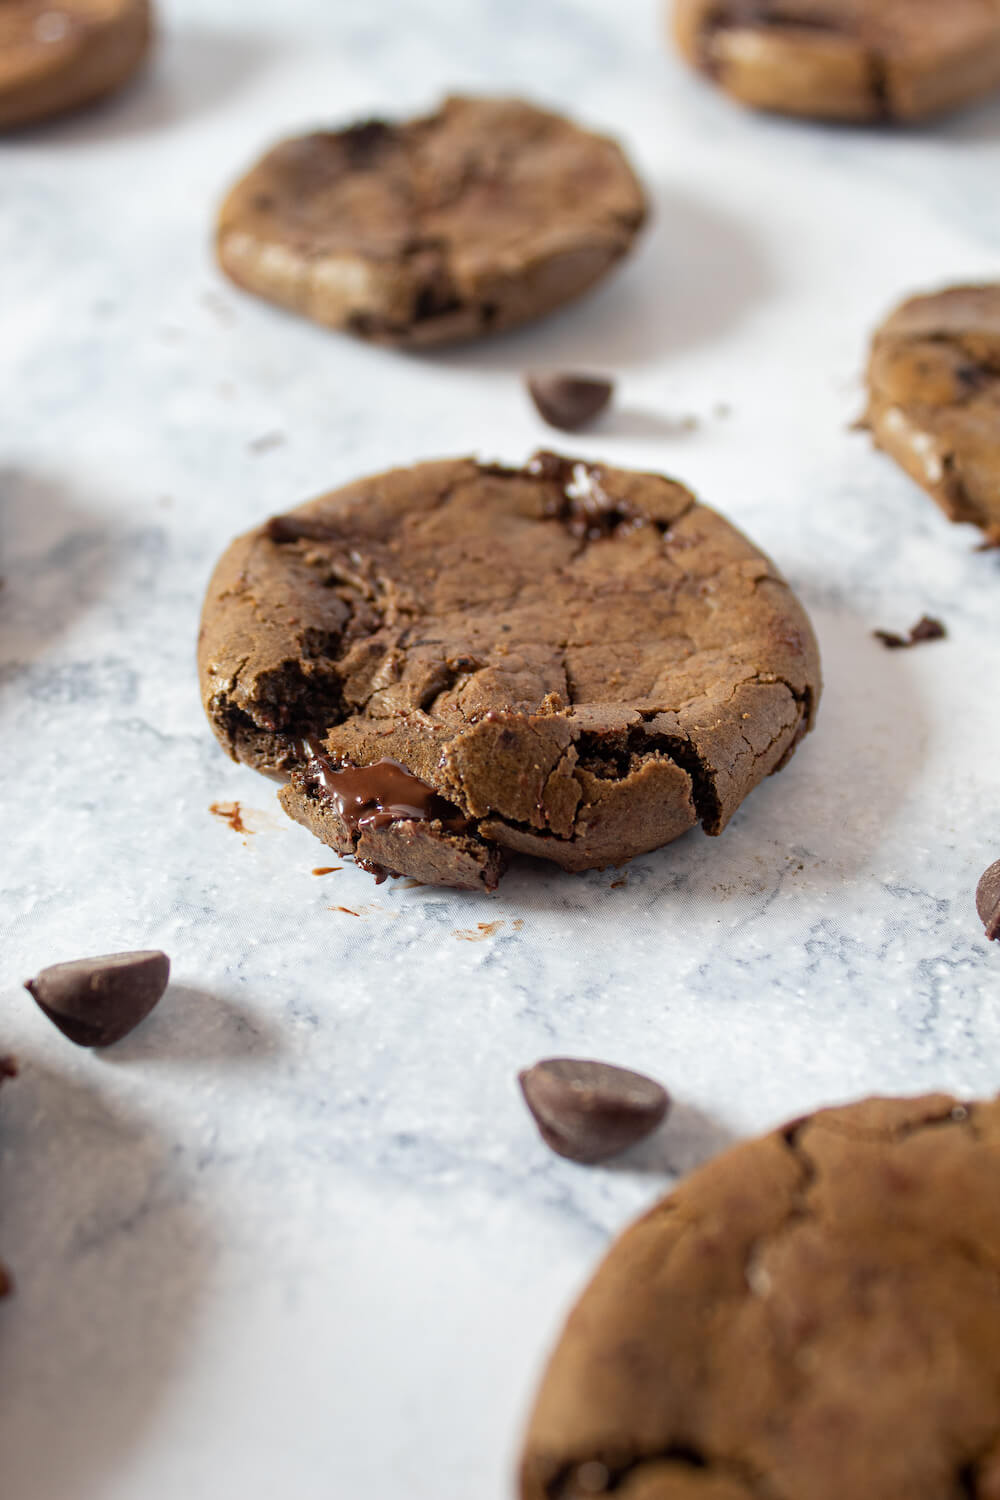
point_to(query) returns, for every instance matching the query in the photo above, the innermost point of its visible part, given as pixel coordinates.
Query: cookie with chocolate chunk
(454, 661)
(813, 1315)
(934, 399)
(486, 214)
(56, 55)
(845, 59)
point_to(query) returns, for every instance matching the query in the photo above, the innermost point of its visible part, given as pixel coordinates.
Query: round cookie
(934, 399)
(813, 1315)
(845, 59)
(486, 214)
(456, 660)
(58, 54)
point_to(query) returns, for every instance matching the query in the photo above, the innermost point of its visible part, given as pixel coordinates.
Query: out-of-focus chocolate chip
(569, 402)
(97, 1001)
(589, 1111)
(926, 629)
(988, 900)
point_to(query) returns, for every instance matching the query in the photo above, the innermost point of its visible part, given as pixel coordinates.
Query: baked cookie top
(486, 214)
(58, 54)
(934, 398)
(845, 59)
(582, 662)
(811, 1316)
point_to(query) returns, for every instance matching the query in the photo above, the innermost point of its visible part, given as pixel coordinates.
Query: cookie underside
(580, 662)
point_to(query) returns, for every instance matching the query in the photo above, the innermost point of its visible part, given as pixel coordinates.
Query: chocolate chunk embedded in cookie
(486, 214)
(845, 59)
(566, 660)
(812, 1315)
(58, 54)
(934, 399)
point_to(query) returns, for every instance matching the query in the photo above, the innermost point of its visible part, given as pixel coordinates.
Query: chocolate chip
(988, 901)
(569, 402)
(97, 1001)
(591, 1110)
(926, 629)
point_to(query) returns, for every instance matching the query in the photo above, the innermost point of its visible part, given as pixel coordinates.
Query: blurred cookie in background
(486, 214)
(855, 60)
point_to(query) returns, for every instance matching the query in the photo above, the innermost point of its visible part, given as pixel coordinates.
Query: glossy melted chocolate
(373, 796)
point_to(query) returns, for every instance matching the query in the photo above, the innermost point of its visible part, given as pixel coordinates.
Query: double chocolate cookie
(456, 660)
(934, 399)
(58, 54)
(845, 59)
(484, 215)
(812, 1316)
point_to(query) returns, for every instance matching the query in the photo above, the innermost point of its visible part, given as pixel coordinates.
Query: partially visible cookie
(58, 54)
(486, 214)
(934, 399)
(456, 660)
(811, 1316)
(845, 59)
(8, 1069)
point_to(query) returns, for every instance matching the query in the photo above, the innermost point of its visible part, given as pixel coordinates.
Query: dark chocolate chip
(97, 1001)
(988, 901)
(569, 402)
(926, 629)
(8, 1068)
(589, 1111)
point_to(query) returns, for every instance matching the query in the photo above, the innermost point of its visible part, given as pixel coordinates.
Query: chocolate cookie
(8, 1069)
(845, 59)
(934, 399)
(455, 660)
(811, 1316)
(58, 54)
(487, 214)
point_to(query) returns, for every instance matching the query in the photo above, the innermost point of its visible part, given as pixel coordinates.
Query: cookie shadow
(695, 272)
(189, 71)
(109, 1259)
(55, 561)
(192, 1025)
(687, 1138)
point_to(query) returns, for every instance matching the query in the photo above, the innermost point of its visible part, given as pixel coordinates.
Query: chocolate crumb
(926, 629)
(569, 402)
(97, 1001)
(988, 901)
(231, 813)
(326, 869)
(588, 1111)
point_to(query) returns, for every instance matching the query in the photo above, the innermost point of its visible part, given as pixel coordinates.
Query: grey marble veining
(297, 1235)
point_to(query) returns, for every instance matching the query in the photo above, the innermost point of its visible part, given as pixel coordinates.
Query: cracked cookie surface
(845, 59)
(934, 399)
(484, 215)
(56, 55)
(578, 662)
(812, 1315)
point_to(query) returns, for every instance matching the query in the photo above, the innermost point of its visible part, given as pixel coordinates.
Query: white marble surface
(297, 1236)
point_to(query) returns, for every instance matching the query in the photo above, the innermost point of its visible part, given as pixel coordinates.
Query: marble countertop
(297, 1235)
